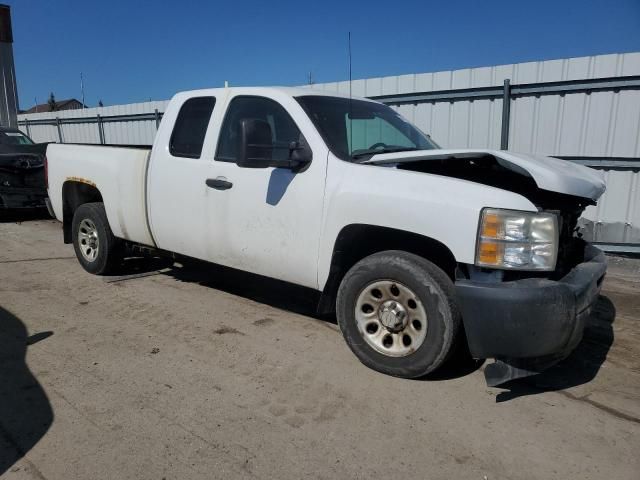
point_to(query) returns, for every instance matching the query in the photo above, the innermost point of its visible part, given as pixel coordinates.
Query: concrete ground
(198, 373)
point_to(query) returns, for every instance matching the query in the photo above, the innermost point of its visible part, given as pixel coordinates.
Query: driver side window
(283, 128)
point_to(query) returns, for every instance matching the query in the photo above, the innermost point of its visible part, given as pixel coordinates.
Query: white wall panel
(625, 136)
(616, 218)
(136, 132)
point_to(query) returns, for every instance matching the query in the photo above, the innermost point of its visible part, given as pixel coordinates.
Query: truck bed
(118, 172)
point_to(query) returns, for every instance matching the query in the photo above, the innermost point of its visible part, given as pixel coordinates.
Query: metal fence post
(506, 113)
(157, 118)
(59, 130)
(28, 129)
(100, 130)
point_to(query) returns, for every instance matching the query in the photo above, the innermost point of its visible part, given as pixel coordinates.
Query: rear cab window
(190, 128)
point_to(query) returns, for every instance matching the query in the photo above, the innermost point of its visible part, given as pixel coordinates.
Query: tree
(100, 104)
(52, 102)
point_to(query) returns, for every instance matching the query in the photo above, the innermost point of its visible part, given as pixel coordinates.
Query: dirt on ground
(180, 371)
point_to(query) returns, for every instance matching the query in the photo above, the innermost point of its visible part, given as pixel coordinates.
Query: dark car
(22, 171)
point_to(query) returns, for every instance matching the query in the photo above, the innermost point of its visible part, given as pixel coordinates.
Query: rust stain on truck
(81, 180)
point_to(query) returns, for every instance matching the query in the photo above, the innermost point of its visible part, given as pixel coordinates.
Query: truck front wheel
(96, 248)
(397, 313)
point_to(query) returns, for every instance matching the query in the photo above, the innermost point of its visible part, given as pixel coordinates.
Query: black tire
(431, 286)
(108, 253)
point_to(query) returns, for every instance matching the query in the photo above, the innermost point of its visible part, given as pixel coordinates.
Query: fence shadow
(25, 410)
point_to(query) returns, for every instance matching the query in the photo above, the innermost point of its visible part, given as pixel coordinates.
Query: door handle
(219, 183)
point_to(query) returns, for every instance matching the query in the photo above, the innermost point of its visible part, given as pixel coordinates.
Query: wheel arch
(357, 241)
(74, 194)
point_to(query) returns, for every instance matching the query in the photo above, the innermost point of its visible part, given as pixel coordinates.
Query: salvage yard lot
(205, 373)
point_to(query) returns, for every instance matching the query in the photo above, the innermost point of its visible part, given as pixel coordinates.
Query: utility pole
(82, 90)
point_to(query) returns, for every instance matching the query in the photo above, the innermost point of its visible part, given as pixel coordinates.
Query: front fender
(442, 208)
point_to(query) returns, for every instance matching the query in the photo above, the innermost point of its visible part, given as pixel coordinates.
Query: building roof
(60, 105)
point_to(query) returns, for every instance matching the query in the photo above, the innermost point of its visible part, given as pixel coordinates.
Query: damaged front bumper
(528, 325)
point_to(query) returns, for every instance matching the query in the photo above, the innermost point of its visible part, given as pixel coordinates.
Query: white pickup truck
(413, 246)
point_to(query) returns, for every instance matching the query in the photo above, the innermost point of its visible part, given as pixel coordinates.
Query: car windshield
(14, 138)
(355, 130)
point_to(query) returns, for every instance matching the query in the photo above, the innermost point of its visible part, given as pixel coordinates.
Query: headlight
(514, 240)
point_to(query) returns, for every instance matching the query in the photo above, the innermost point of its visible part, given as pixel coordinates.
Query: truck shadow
(277, 294)
(25, 410)
(133, 266)
(580, 367)
(459, 364)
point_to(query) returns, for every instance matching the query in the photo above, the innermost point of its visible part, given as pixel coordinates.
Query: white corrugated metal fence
(586, 108)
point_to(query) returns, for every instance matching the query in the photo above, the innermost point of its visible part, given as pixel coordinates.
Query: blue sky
(131, 51)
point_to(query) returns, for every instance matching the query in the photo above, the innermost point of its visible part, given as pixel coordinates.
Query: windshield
(14, 138)
(355, 130)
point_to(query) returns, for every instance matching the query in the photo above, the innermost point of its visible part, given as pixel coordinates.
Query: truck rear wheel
(397, 313)
(98, 251)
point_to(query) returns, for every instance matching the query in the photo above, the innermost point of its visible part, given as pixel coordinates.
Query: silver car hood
(549, 173)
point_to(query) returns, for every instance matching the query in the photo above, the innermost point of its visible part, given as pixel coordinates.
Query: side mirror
(300, 155)
(256, 146)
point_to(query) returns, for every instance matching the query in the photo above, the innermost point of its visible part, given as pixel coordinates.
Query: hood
(551, 174)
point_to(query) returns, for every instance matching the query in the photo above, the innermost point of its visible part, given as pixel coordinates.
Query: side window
(283, 128)
(191, 127)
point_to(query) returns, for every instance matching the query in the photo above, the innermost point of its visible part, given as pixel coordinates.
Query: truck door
(267, 220)
(176, 190)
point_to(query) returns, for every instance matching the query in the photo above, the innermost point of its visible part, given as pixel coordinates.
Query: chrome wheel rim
(88, 240)
(391, 318)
